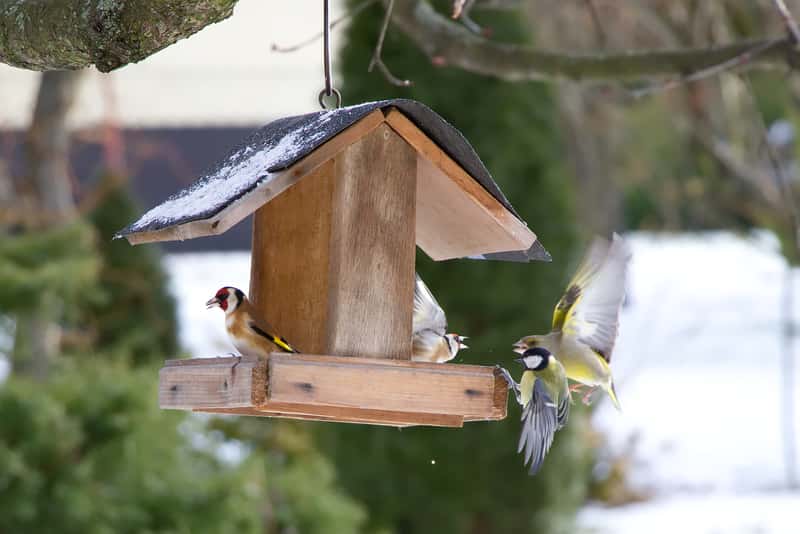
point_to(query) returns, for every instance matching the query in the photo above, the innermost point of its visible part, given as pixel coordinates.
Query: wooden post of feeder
(333, 256)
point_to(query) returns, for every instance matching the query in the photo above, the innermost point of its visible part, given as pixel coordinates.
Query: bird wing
(264, 330)
(428, 315)
(539, 425)
(589, 309)
(564, 397)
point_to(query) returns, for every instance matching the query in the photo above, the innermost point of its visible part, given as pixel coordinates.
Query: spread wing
(589, 309)
(428, 315)
(564, 397)
(539, 424)
(265, 331)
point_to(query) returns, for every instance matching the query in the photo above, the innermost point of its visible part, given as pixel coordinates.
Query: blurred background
(698, 177)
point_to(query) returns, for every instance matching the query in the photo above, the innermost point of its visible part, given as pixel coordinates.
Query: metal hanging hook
(329, 90)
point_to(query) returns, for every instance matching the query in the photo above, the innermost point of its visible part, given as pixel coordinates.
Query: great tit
(543, 393)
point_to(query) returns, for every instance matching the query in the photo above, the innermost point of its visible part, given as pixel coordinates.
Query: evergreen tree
(89, 452)
(472, 479)
(132, 309)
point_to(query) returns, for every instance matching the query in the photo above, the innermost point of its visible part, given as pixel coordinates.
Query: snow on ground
(698, 367)
(698, 364)
(746, 513)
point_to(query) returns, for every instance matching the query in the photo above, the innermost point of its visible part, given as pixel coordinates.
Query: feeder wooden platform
(331, 388)
(341, 199)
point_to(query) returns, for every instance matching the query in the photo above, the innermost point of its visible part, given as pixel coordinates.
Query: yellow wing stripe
(282, 344)
(277, 340)
(583, 276)
(567, 303)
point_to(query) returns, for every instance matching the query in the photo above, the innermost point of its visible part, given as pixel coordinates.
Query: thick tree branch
(448, 43)
(72, 34)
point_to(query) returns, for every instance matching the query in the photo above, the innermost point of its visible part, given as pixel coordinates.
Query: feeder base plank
(336, 414)
(211, 382)
(329, 388)
(395, 385)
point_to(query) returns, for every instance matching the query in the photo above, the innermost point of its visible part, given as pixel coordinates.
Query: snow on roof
(282, 143)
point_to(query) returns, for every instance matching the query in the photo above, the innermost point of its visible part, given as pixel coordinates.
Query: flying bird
(586, 319)
(543, 393)
(252, 336)
(429, 342)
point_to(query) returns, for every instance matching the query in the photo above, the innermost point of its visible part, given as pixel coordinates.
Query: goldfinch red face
(226, 298)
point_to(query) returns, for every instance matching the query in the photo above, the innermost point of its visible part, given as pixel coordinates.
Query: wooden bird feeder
(341, 199)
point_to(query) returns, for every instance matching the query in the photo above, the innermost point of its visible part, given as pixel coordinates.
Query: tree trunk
(48, 200)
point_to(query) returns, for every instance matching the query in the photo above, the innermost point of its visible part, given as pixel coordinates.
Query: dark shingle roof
(283, 142)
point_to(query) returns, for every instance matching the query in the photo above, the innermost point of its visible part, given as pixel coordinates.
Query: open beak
(519, 347)
(520, 361)
(212, 303)
(461, 345)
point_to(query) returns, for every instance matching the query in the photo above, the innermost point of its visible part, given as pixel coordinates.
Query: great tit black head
(535, 359)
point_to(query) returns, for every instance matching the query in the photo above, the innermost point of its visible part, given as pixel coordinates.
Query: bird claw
(512, 385)
(587, 398)
(506, 375)
(576, 387)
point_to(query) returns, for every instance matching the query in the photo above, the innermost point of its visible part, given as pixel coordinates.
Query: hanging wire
(329, 89)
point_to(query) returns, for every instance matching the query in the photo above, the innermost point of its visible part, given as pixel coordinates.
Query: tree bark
(72, 34)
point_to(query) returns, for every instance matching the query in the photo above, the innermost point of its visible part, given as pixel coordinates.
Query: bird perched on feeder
(586, 319)
(429, 342)
(252, 336)
(543, 393)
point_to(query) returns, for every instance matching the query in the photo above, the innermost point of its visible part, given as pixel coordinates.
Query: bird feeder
(341, 199)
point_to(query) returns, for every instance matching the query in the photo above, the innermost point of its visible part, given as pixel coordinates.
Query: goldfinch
(544, 395)
(429, 343)
(252, 336)
(586, 319)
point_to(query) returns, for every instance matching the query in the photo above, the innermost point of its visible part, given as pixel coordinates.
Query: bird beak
(462, 346)
(519, 347)
(212, 303)
(520, 361)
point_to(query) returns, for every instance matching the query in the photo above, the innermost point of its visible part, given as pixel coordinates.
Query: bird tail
(612, 392)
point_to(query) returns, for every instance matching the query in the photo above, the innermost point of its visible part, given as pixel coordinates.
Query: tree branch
(72, 34)
(448, 43)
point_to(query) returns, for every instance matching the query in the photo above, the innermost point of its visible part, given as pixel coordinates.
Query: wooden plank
(372, 248)
(445, 233)
(333, 257)
(467, 391)
(211, 382)
(340, 415)
(290, 260)
(329, 388)
(263, 193)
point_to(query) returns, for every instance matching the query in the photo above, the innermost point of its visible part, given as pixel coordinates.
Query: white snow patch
(698, 372)
(247, 167)
(749, 513)
(698, 364)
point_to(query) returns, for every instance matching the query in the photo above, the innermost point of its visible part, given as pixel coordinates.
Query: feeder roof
(254, 165)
